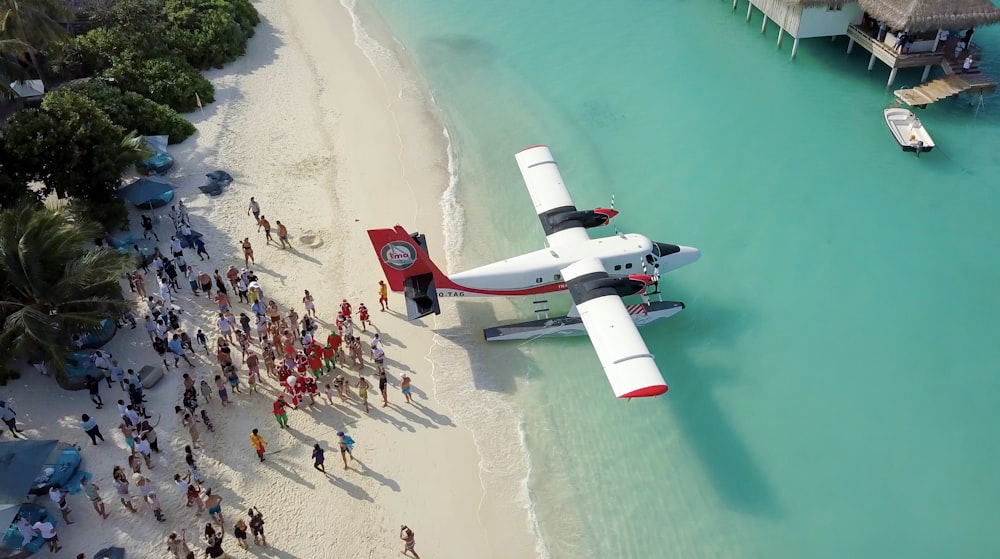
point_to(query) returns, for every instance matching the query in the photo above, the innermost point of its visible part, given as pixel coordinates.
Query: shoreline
(323, 145)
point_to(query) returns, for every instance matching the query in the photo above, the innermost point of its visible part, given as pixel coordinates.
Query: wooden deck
(890, 57)
(952, 83)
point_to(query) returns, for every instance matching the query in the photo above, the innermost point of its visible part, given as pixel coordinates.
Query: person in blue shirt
(177, 348)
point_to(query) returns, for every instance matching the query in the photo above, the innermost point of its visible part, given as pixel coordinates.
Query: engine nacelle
(586, 218)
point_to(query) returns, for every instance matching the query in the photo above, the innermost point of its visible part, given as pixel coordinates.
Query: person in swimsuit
(214, 504)
(240, 533)
(247, 251)
(309, 303)
(257, 526)
(404, 385)
(363, 391)
(283, 235)
(383, 387)
(177, 545)
(409, 541)
(264, 223)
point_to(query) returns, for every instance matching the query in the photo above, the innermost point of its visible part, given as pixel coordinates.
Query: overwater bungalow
(899, 33)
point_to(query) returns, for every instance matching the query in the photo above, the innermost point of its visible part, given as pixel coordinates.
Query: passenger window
(538, 280)
(556, 277)
(629, 265)
(618, 267)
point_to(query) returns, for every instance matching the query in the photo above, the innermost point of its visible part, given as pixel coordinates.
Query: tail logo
(398, 255)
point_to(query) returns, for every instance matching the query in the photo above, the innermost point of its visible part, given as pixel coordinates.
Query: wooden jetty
(973, 82)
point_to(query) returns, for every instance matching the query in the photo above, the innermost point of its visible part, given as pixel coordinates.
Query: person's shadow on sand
(388, 482)
(349, 488)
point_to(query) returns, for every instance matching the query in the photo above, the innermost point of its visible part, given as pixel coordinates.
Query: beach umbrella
(148, 193)
(20, 463)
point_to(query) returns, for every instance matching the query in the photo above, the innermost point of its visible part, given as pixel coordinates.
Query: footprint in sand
(311, 239)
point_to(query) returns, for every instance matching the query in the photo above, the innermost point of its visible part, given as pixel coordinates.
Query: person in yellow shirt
(383, 295)
(259, 444)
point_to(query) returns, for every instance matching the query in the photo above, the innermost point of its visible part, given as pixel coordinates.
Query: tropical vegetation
(53, 283)
(73, 150)
(142, 59)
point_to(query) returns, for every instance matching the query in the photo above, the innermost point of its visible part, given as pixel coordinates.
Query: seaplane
(597, 273)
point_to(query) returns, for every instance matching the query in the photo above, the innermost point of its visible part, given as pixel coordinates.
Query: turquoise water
(833, 378)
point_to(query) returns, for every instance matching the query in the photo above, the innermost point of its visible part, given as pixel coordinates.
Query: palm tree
(35, 24)
(53, 283)
(11, 51)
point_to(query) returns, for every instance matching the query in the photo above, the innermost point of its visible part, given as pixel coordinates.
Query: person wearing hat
(383, 295)
(346, 444)
(280, 413)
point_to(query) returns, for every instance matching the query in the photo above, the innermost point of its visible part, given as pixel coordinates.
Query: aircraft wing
(627, 361)
(552, 201)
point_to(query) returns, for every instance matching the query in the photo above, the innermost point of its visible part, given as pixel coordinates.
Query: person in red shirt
(345, 308)
(316, 363)
(279, 411)
(363, 316)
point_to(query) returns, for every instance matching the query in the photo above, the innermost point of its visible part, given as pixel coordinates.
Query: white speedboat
(909, 132)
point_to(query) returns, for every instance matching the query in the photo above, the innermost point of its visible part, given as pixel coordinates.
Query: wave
(456, 367)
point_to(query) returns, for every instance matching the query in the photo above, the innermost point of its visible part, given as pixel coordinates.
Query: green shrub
(97, 50)
(132, 111)
(71, 146)
(246, 15)
(210, 33)
(168, 80)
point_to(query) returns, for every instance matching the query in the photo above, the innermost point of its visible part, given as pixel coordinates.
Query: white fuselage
(541, 271)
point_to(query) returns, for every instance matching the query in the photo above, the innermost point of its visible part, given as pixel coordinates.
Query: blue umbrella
(148, 193)
(20, 462)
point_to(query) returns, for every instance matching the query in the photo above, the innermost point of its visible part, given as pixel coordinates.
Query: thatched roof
(923, 15)
(814, 3)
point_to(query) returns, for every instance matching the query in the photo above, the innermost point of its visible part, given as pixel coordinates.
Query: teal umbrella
(20, 463)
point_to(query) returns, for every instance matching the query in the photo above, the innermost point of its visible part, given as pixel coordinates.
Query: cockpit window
(656, 252)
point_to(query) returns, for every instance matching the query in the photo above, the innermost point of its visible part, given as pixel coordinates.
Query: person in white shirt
(175, 246)
(48, 532)
(58, 497)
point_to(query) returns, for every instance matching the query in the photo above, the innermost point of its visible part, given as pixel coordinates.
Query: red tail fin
(401, 258)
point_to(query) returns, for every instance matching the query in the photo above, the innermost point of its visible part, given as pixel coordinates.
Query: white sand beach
(330, 145)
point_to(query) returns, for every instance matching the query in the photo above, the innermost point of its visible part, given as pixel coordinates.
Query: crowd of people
(275, 347)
